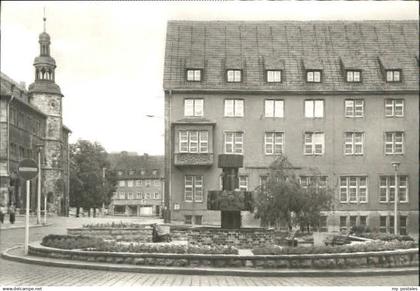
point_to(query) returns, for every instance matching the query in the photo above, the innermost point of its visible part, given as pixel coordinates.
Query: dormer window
(313, 76)
(273, 76)
(393, 75)
(234, 76)
(353, 76)
(194, 75)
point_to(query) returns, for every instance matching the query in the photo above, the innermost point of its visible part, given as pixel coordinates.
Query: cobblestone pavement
(19, 274)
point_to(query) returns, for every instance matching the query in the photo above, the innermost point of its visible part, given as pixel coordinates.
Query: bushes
(385, 236)
(71, 242)
(115, 225)
(98, 244)
(363, 247)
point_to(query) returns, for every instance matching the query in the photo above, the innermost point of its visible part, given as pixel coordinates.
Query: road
(20, 274)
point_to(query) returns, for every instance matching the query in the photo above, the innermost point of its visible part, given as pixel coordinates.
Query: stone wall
(245, 238)
(143, 234)
(397, 258)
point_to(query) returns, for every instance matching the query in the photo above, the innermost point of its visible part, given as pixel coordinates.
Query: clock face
(53, 104)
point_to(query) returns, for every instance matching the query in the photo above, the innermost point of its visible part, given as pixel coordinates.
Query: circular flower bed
(98, 244)
(364, 247)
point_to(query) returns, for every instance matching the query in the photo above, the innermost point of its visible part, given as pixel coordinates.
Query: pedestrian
(1, 215)
(12, 214)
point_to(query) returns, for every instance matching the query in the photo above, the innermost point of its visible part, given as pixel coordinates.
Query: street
(18, 274)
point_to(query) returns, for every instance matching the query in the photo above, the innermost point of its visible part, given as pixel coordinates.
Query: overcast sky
(110, 55)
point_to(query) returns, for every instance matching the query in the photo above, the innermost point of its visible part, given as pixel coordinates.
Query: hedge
(98, 244)
(362, 247)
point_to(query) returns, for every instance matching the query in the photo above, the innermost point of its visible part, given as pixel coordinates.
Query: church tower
(46, 95)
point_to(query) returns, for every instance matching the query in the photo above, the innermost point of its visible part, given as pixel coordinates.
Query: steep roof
(125, 162)
(293, 46)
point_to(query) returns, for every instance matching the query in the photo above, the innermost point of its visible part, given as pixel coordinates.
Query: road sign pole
(28, 186)
(38, 211)
(45, 209)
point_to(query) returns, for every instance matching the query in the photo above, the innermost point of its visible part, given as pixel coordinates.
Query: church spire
(45, 21)
(45, 64)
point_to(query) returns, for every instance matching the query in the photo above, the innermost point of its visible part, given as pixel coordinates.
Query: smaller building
(140, 183)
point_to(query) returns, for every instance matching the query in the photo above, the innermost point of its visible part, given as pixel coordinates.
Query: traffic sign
(28, 169)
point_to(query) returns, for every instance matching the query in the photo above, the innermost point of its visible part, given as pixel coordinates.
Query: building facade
(338, 99)
(31, 124)
(140, 181)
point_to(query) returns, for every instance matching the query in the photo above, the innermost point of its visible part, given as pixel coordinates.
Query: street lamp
(396, 165)
(166, 190)
(38, 210)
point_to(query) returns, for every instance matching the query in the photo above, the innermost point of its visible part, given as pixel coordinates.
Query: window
(130, 195)
(193, 141)
(353, 220)
(154, 172)
(121, 183)
(353, 189)
(394, 143)
(314, 108)
(138, 183)
(314, 143)
(233, 76)
(156, 182)
(193, 190)
(273, 76)
(313, 76)
(263, 180)
(394, 107)
(147, 196)
(363, 220)
(156, 195)
(274, 143)
(382, 224)
(194, 75)
(121, 195)
(343, 223)
(353, 143)
(274, 108)
(391, 224)
(393, 75)
(234, 142)
(403, 225)
(131, 172)
(147, 183)
(317, 182)
(234, 108)
(323, 224)
(130, 183)
(188, 219)
(193, 107)
(387, 188)
(243, 183)
(353, 76)
(354, 107)
(198, 219)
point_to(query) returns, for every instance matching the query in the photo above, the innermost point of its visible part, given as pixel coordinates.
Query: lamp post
(396, 165)
(166, 190)
(38, 210)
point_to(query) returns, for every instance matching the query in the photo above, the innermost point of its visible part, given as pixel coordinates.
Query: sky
(110, 55)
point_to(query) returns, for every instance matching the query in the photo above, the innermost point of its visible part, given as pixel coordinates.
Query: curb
(30, 226)
(203, 271)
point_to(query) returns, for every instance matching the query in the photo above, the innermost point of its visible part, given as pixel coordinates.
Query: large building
(339, 99)
(140, 181)
(31, 123)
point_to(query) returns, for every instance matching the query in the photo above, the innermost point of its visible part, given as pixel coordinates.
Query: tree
(282, 199)
(88, 186)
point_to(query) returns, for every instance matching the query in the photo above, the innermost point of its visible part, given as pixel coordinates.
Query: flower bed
(98, 244)
(365, 247)
(381, 259)
(385, 236)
